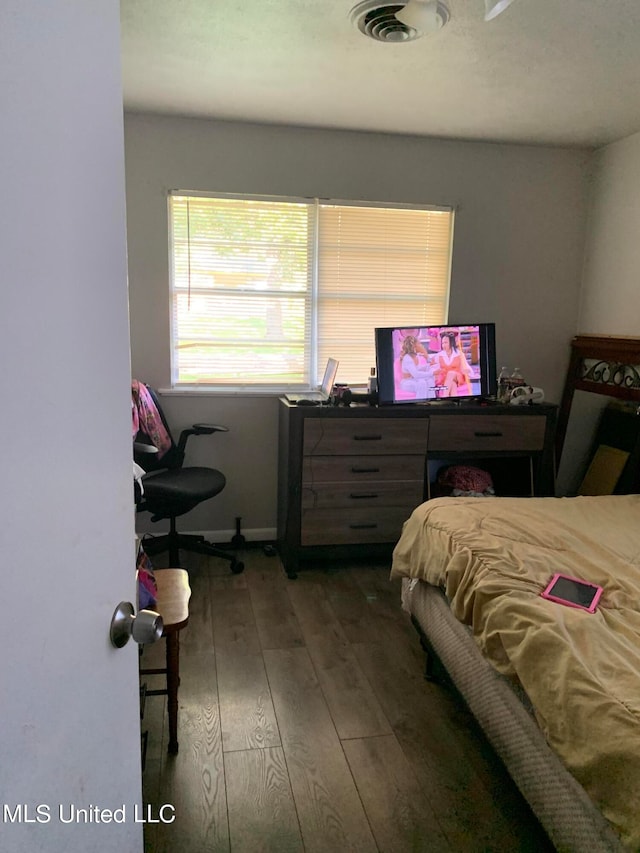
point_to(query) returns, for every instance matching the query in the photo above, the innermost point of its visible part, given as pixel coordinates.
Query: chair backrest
(172, 457)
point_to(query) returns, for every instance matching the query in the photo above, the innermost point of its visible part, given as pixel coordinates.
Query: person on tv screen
(452, 367)
(416, 373)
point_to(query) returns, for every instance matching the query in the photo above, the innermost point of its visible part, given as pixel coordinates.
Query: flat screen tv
(416, 365)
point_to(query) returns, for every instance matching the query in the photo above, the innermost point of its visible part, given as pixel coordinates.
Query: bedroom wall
(610, 301)
(610, 297)
(518, 255)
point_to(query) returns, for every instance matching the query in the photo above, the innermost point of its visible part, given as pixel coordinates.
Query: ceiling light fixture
(492, 8)
(422, 15)
(379, 20)
(407, 21)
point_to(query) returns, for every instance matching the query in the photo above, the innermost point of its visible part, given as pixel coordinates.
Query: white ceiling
(563, 72)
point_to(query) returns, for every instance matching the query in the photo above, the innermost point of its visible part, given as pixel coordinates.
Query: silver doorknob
(145, 628)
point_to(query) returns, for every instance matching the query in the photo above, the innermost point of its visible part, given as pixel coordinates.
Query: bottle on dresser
(507, 382)
(372, 383)
(503, 385)
(516, 379)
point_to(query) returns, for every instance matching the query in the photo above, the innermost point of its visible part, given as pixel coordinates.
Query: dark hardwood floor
(306, 724)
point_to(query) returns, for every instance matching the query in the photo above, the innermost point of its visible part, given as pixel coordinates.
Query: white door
(69, 731)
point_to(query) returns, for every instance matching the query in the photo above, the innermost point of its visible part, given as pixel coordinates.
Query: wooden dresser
(349, 477)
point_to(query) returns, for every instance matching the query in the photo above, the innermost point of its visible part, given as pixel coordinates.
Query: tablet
(573, 592)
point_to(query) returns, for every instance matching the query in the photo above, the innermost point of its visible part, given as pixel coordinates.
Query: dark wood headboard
(602, 364)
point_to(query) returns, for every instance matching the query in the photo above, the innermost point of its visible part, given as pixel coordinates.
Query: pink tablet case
(598, 590)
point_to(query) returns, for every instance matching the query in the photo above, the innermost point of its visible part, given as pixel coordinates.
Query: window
(265, 289)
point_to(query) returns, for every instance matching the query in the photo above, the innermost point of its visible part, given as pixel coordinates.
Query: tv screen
(416, 365)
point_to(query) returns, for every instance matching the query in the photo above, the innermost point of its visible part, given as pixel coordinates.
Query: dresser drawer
(360, 469)
(357, 436)
(376, 494)
(360, 526)
(486, 433)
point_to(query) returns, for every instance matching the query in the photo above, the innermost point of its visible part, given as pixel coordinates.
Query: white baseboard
(251, 534)
(221, 537)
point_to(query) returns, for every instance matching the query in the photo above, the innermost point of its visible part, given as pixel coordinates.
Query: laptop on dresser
(321, 394)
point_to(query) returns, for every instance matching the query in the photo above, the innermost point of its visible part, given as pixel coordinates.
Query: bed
(555, 689)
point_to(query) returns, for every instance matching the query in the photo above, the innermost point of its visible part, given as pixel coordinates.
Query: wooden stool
(173, 605)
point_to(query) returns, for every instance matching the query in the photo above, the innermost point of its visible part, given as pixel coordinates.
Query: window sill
(230, 392)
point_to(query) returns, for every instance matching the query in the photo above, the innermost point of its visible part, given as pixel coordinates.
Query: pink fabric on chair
(146, 417)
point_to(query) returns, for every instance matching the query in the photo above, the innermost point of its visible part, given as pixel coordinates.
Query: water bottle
(372, 384)
(516, 379)
(503, 385)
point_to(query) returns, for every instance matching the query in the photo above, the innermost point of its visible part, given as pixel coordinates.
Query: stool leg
(173, 681)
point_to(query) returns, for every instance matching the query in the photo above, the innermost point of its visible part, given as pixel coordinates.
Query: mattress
(581, 671)
(562, 806)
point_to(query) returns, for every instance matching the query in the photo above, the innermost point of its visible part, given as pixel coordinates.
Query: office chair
(170, 488)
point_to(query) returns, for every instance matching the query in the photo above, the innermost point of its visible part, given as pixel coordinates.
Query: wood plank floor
(305, 724)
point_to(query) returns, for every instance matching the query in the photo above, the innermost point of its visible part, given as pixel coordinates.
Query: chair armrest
(141, 447)
(207, 429)
(146, 455)
(197, 429)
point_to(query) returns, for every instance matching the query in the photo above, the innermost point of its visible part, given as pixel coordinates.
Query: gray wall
(518, 254)
(610, 301)
(610, 297)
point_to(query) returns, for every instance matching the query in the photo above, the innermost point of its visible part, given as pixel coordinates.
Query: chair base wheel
(237, 567)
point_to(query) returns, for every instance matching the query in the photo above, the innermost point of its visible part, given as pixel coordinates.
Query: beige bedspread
(493, 557)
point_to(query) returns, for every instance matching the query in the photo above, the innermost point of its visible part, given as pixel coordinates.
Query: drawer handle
(356, 470)
(363, 526)
(360, 495)
(480, 434)
(367, 438)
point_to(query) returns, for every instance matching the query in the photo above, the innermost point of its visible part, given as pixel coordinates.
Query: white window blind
(264, 290)
(378, 266)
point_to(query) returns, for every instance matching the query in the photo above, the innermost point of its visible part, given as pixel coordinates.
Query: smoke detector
(377, 20)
